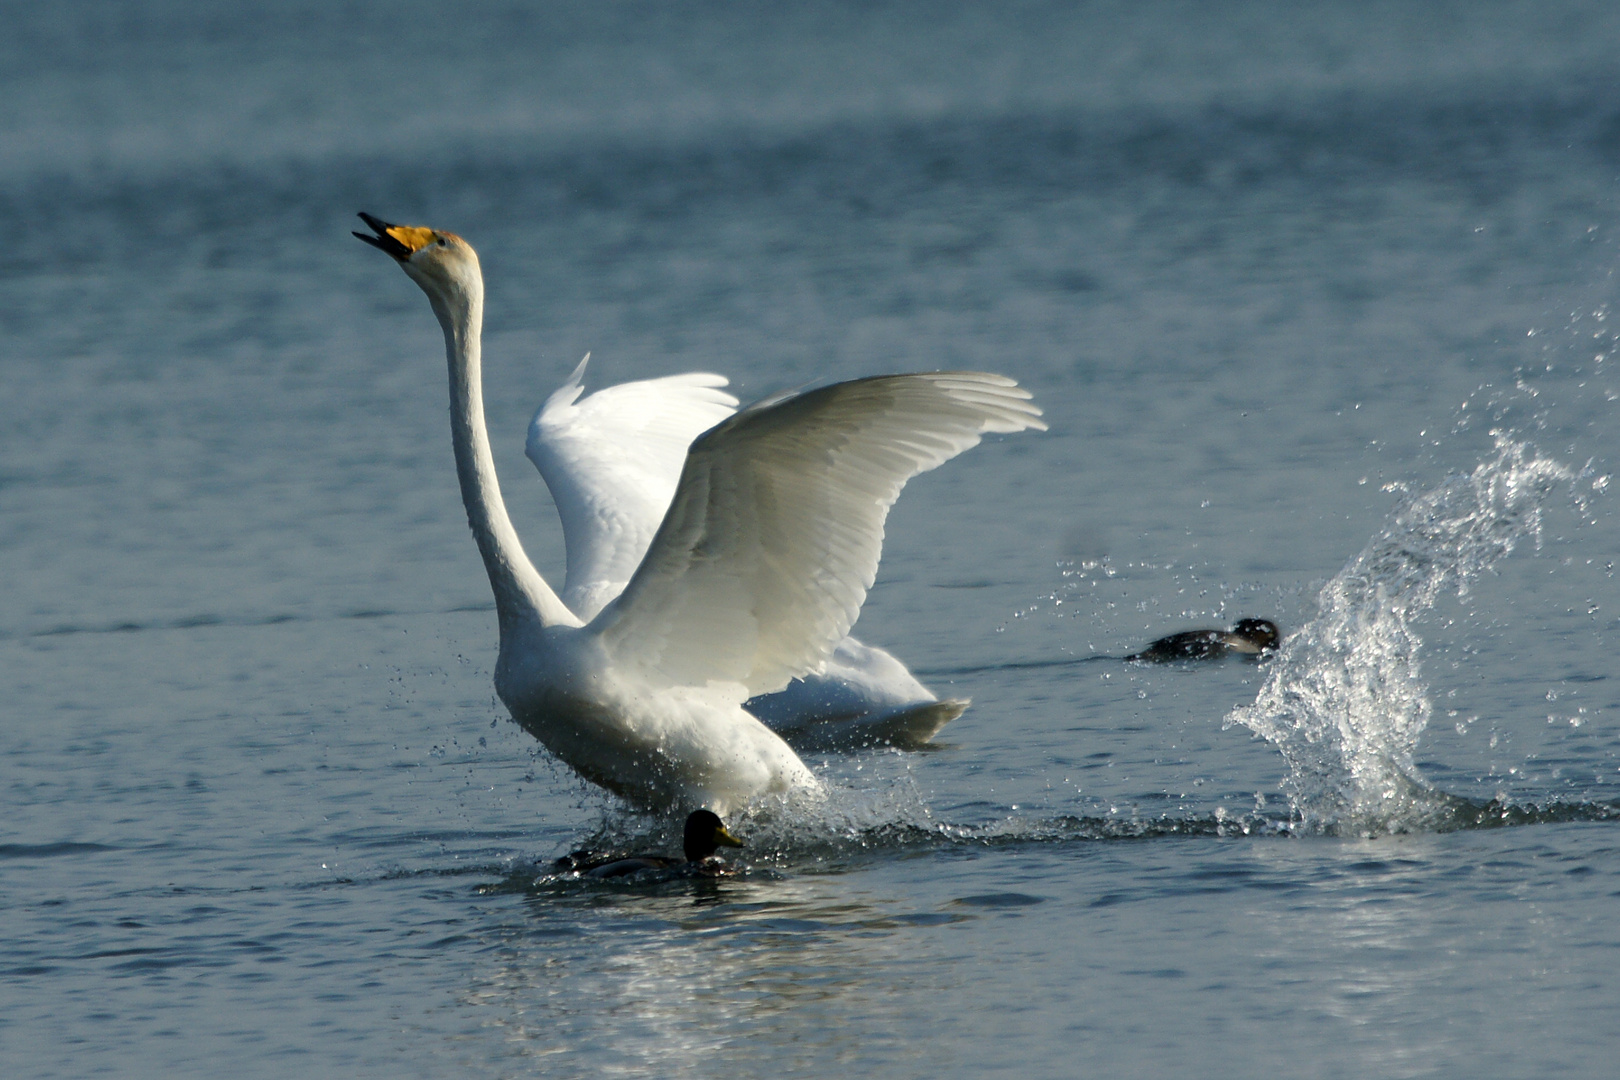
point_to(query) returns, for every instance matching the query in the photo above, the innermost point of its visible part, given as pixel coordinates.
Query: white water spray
(1344, 701)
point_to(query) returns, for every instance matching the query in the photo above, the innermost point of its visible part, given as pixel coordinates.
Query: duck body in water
(703, 836)
(1251, 638)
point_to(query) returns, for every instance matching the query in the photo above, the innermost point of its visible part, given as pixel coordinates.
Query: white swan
(612, 459)
(757, 570)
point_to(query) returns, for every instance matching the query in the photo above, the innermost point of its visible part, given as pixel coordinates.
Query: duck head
(706, 834)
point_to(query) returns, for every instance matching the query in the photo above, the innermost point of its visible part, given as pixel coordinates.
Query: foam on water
(1345, 701)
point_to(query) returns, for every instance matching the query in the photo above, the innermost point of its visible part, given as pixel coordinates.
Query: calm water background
(1283, 280)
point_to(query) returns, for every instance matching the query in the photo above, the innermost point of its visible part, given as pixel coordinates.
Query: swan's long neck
(522, 596)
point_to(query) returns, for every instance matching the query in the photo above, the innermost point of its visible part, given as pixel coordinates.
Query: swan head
(442, 263)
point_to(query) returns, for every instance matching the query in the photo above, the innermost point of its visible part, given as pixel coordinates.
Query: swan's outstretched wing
(612, 460)
(764, 559)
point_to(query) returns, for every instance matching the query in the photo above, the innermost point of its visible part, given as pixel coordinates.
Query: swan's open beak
(400, 241)
(724, 838)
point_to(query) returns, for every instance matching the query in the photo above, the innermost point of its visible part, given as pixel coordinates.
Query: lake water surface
(1320, 307)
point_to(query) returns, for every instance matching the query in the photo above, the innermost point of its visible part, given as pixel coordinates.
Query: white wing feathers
(766, 554)
(612, 462)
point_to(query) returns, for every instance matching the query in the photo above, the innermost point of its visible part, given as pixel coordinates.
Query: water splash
(1344, 701)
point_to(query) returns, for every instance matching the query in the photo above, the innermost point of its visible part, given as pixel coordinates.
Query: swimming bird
(757, 571)
(1250, 637)
(862, 696)
(612, 459)
(703, 835)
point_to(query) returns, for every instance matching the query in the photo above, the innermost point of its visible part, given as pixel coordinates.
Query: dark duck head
(705, 834)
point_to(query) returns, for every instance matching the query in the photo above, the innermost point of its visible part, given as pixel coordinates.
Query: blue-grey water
(1319, 302)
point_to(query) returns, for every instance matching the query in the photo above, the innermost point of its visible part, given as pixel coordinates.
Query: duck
(612, 460)
(757, 570)
(703, 835)
(1251, 638)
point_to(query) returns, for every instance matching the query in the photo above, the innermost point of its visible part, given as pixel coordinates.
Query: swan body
(756, 571)
(655, 742)
(611, 460)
